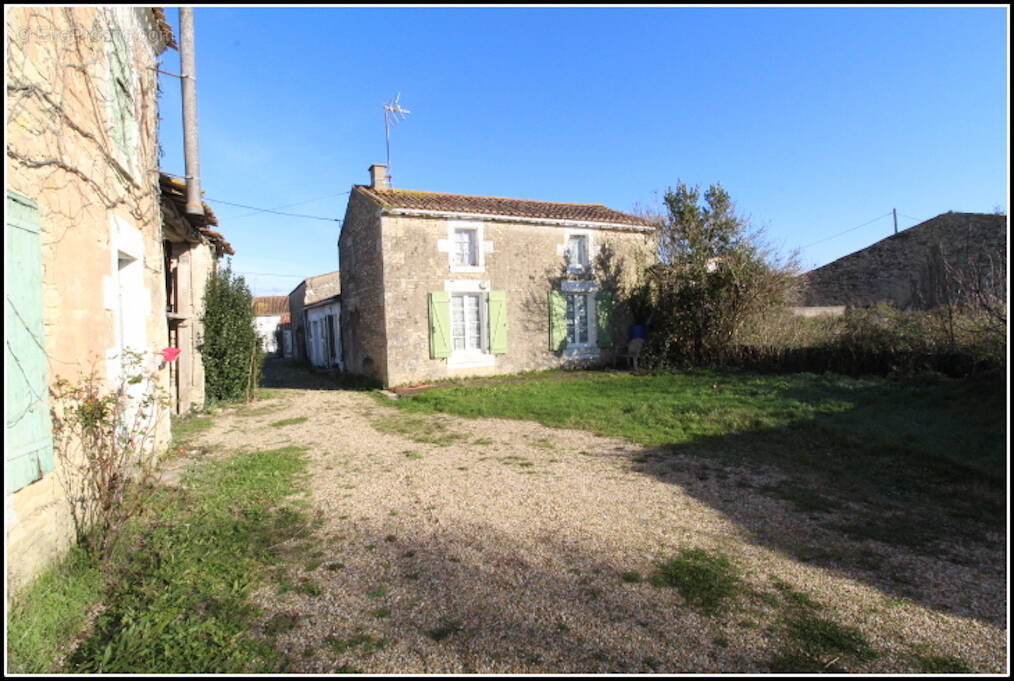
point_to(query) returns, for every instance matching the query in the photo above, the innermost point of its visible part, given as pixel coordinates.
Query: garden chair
(630, 352)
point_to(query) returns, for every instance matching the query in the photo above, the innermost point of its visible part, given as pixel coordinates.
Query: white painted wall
(266, 326)
(319, 349)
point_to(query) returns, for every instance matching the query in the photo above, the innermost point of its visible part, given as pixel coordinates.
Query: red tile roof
(494, 205)
(271, 306)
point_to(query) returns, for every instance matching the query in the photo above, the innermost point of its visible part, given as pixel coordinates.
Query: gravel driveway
(449, 545)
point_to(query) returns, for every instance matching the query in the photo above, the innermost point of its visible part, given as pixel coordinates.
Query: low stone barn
(314, 312)
(440, 285)
(922, 267)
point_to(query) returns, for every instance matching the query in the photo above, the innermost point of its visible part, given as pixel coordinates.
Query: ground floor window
(467, 326)
(577, 318)
(467, 322)
(580, 319)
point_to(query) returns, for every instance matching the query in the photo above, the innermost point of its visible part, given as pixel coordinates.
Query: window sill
(466, 360)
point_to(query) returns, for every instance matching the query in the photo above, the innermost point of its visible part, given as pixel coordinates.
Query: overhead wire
(271, 274)
(850, 229)
(289, 205)
(274, 212)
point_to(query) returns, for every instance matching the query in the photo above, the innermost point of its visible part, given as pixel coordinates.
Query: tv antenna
(393, 112)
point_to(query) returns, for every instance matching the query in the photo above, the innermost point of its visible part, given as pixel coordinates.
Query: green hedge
(231, 349)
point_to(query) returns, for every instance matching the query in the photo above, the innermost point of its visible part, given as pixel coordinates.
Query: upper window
(577, 251)
(465, 247)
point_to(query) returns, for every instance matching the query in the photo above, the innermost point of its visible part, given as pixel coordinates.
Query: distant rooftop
(271, 305)
(320, 287)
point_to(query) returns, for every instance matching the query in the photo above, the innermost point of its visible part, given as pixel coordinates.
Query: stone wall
(525, 260)
(81, 131)
(296, 299)
(907, 269)
(363, 330)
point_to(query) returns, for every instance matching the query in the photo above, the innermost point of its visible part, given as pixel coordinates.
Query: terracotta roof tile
(175, 190)
(494, 205)
(271, 305)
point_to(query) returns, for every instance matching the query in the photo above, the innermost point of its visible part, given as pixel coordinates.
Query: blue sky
(816, 120)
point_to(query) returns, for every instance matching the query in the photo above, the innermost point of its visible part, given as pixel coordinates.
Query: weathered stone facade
(363, 320)
(909, 269)
(393, 259)
(82, 159)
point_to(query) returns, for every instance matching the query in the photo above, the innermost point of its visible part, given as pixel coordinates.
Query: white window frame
(482, 247)
(589, 349)
(589, 245)
(472, 358)
(472, 257)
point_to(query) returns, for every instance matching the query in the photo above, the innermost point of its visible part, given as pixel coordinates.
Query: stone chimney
(378, 177)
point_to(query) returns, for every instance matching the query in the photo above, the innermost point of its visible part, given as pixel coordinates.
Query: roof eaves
(562, 222)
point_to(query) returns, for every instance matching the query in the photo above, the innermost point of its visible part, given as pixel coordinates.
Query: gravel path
(449, 545)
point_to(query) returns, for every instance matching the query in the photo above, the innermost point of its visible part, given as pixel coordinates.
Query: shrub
(231, 350)
(105, 441)
(714, 273)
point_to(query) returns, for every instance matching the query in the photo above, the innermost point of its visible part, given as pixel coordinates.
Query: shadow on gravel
(452, 604)
(299, 375)
(872, 511)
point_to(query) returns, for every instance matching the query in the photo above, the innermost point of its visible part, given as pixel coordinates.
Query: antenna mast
(392, 112)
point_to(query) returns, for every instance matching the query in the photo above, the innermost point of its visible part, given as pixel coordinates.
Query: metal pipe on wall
(188, 83)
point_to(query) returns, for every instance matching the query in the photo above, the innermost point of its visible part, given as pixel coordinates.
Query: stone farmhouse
(440, 285)
(916, 268)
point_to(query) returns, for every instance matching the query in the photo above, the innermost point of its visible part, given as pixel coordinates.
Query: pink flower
(169, 354)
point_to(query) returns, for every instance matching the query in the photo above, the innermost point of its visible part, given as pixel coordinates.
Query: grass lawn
(930, 452)
(174, 598)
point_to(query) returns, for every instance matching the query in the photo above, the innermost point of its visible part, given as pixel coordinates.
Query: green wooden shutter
(498, 322)
(604, 314)
(28, 431)
(122, 108)
(440, 324)
(557, 321)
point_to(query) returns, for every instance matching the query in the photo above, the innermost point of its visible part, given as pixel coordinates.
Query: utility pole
(894, 211)
(188, 85)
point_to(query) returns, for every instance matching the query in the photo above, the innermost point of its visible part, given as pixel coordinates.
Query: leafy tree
(714, 273)
(231, 351)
